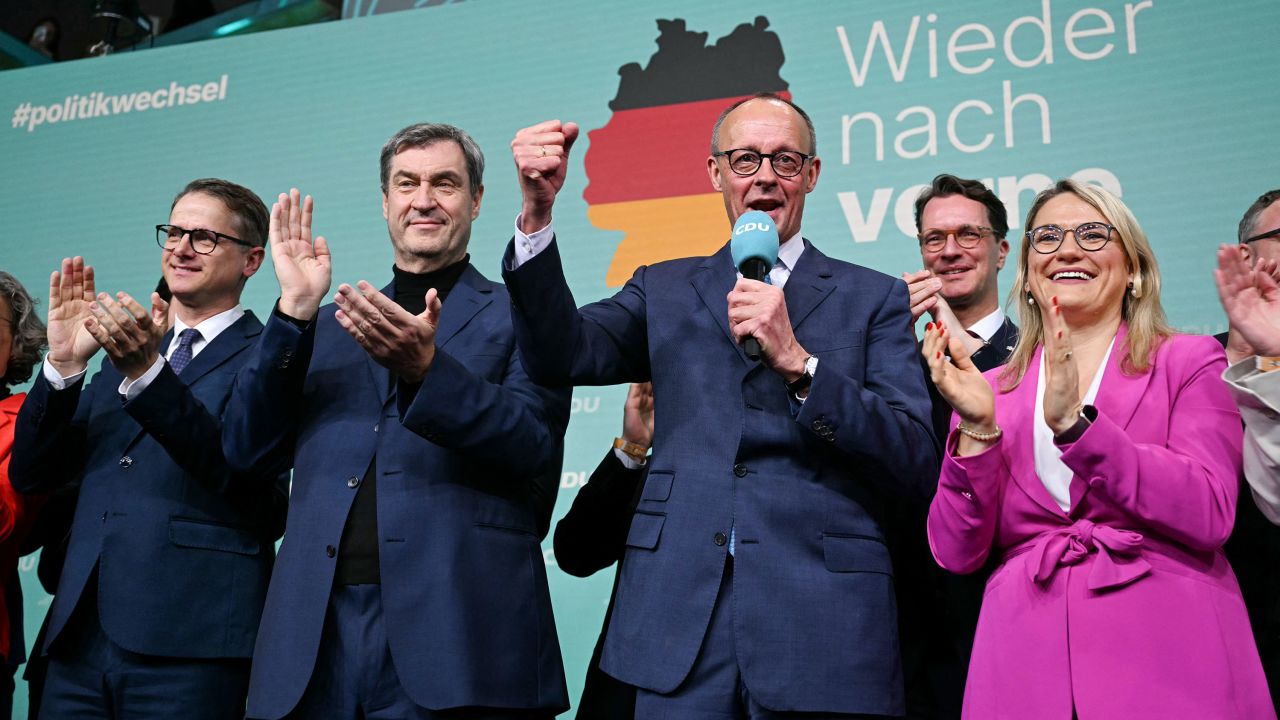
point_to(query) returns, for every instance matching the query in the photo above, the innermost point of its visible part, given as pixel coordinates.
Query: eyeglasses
(746, 163)
(967, 237)
(1090, 236)
(203, 241)
(1268, 234)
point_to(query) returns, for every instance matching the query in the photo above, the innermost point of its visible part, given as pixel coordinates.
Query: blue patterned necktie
(182, 355)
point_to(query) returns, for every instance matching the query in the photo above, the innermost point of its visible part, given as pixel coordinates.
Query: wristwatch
(802, 383)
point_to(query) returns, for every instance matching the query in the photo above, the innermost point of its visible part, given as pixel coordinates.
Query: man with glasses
(756, 582)
(1254, 546)
(170, 551)
(961, 227)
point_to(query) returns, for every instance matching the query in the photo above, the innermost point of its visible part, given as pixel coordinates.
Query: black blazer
(938, 611)
(590, 537)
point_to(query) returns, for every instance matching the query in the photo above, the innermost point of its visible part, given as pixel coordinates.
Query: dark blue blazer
(183, 545)
(803, 485)
(468, 465)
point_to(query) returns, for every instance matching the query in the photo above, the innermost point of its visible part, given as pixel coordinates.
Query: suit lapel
(809, 284)
(1118, 398)
(1023, 414)
(228, 342)
(713, 282)
(468, 297)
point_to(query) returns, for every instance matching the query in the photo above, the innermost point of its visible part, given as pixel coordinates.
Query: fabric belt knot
(1119, 560)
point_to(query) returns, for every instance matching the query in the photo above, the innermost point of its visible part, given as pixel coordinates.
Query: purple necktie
(182, 355)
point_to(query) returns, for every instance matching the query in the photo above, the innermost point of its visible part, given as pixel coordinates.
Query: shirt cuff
(130, 389)
(527, 246)
(627, 461)
(57, 381)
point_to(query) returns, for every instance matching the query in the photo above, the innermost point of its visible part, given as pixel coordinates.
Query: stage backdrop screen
(1171, 104)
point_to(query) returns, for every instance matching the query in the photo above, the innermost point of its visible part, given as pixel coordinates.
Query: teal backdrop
(1172, 103)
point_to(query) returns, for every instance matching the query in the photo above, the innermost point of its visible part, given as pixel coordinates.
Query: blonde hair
(1141, 310)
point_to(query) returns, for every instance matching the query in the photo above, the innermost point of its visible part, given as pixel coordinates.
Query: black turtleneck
(358, 551)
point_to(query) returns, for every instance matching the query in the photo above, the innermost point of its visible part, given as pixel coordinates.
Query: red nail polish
(939, 354)
(1059, 334)
(928, 326)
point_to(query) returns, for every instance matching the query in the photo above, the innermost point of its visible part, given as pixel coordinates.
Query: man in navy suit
(411, 583)
(961, 227)
(170, 551)
(756, 582)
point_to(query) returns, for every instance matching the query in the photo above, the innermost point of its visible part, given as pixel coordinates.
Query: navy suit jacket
(468, 466)
(182, 544)
(802, 485)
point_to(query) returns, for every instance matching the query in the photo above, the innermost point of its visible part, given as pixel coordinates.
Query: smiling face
(204, 285)
(429, 206)
(1090, 286)
(765, 126)
(969, 275)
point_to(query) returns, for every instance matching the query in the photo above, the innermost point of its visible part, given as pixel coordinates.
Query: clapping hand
(960, 383)
(1252, 301)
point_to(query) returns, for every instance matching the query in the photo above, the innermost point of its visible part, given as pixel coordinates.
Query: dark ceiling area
(36, 33)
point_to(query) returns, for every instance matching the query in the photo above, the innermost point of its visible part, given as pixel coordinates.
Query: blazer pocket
(657, 487)
(852, 553)
(646, 528)
(834, 341)
(213, 536)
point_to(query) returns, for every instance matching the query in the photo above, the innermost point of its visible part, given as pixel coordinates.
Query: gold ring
(543, 148)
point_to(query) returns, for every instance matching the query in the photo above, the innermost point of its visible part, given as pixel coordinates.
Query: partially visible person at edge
(593, 535)
(22, 341)
(1254, 547)
(1100, 466)
(961, 227)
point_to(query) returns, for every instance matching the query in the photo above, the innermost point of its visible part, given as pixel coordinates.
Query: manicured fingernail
(939, 354)
(928, 326)
(1054, 299)
(1059, 334)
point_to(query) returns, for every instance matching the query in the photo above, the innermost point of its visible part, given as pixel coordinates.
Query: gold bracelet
(634, 451)
(984, 437)
(1267, 363)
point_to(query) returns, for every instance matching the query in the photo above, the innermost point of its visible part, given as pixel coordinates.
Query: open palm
(71, 298)
(303, 268)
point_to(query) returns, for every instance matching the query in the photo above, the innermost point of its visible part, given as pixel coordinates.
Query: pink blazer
(1123, 605)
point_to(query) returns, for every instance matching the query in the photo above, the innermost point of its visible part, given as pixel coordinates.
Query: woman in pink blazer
(1100, 466)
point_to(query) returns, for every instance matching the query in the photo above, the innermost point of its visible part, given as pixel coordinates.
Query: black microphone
(754, 247)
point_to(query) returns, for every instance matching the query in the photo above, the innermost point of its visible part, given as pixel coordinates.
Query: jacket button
(126, 462)
(720, 539)
(353, 481)
(740, 470)
(330, 550)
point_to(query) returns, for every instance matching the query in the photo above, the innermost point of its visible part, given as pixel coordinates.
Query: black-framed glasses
(203, 241)
(1090, 236)
(744, 162)
(967, 237)
(1275, 234)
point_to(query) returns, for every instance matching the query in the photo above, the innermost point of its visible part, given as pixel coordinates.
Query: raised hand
(1062, 379)
(923, 287)
(302, 267)
(403, 343)
(1252, 301)
(960, 383)
(637, 415)
(541, 154)
(71, 297)
(130, 334)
